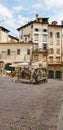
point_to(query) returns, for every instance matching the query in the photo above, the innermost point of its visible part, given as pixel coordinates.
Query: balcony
(54, 62)
(39, 50)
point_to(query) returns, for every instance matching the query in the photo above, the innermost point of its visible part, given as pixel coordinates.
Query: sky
(16, 13)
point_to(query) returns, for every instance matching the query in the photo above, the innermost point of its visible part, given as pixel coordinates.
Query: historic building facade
(14, 52)
(11, 50)
(5, 37)
(38, 41)
(46, 37)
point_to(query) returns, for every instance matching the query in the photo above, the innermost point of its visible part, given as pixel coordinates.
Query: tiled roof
(4, 29)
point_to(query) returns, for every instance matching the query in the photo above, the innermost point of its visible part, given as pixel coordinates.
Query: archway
(58, 74)
(51, 74)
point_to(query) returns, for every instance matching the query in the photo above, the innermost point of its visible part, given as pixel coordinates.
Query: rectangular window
(36, 37)
(22, 31)
(51, 41)
(51, 34)
(31, 26)
(58, 51)
(51, 59)
(57, 35)
(21, 37)
(18, 51)
(4, 54)
(36, 46)
(58, 42)
(57, 59)
(44, 46)
(44, 37)
(8, 52)
(51, 51)
(25, 39)
(28, 51)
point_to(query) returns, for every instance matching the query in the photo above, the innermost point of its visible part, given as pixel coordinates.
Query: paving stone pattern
(30, 107)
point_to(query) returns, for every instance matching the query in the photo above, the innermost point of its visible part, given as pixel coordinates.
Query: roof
(39, 20)
(4, 29)
(13, 37)
(56, 25)
(22, 43)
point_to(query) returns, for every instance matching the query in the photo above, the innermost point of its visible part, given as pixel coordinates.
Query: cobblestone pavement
(30, 107)
(60, 123)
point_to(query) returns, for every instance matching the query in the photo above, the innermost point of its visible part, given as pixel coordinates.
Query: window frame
(51, 34)
(57, 34)
(18, 51)
(44, 37)
(58, 51)
(51, 51)
(36, 37)
(8, 52)
(28, 51)
(44, 46)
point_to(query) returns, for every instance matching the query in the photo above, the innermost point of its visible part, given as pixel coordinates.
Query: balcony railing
(39, 49)
(54, 62)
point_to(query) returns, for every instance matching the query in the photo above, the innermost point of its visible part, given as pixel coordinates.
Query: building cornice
(17, 43)
(51, 25)
(13, 37)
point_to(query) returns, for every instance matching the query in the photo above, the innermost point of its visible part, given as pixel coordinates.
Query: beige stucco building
(3, 34)
(45, 37)
(11, 50)
(38, 40)
(55, 51)
(5, 37)
(14, 52)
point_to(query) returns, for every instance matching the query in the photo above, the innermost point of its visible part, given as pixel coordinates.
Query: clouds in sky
(17, 13)
(19, 8)
(54, 3)
(4, 11)
(11, 18)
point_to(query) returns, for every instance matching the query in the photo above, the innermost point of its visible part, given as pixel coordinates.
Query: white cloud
(37, 6)
(45, 8)
(58, 16)
(54, 3)
(50, 8)
(18, 8)
(22, 20)
(11, 21)
(4, 12)
(7, 18)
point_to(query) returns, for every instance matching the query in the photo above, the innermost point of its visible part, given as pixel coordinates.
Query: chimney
(54, 22)
(36, 17)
